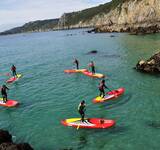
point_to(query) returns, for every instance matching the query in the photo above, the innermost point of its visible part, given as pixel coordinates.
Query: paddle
(78, 126)
(109, 89)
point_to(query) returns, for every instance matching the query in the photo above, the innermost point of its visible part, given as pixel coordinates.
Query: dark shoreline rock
(6, 142)
(151, 65)
(133, 29)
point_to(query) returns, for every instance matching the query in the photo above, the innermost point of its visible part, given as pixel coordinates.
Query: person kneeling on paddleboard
(4, 93)
(101, 88)
(77, 63)
(81, 110)
(13, 69)
(92, 67)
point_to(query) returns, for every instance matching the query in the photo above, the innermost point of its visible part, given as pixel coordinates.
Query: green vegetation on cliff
(87, 14)
(35, 26)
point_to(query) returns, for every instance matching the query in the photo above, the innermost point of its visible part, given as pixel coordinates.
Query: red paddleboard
(93, 75)
(90, 123)
(75, 70)
(12, 79)
(9, 103)
(110, 95)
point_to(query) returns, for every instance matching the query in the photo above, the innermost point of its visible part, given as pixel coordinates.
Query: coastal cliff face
(134, 16)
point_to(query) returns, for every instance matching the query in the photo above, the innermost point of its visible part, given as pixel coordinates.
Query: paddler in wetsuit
(81, 110)
(13, 69)
(92, 67)
(77, 63)
(101, 87)
(4, 93)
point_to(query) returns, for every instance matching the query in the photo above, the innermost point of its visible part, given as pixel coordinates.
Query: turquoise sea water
(47, 95)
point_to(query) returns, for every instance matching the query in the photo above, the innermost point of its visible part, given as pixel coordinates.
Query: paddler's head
(103, 81)
(83, 102)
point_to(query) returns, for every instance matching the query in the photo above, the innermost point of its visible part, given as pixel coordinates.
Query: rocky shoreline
(6, 142)
(131, 29)
(152, 65)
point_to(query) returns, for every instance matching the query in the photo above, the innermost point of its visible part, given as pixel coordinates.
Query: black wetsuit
(4, 93)
(93, 69)
(14, 71)
(101, 89)
(81, 109)
(77, 63)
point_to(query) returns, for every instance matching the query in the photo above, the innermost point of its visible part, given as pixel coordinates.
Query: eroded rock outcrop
(151, 65)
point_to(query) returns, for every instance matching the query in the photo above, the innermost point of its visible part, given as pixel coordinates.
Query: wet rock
(91, 31)
(151, 65)
(13, 146)
(7, 144)
(24, 146)
(5, 137)
(112, 35)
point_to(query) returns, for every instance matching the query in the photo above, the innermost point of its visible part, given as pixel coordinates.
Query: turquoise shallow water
(47, 95)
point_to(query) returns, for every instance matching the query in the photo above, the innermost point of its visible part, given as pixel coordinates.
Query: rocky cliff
(135, 16)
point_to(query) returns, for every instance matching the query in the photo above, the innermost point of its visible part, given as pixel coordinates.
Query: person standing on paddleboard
(92, 67)
(101, 87)
(81, 110)
(13, 69)
(77, 63)
(4, 93)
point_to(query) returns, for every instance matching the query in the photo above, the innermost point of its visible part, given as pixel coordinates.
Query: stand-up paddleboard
(110, 95)
(9, 103)
(12, 79)
(95, 75)
(90, 123)
(75, 70)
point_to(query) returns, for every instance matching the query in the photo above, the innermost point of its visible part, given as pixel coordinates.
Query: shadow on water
(102, 54)
(82, 142)
(119, 129)
(156, 75)
(117, 102)
(111, 56)
(83, 138)
(66, 149)
(84, 135)
(153, 124)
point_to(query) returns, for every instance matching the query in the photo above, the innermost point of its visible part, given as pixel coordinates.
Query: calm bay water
(47, 95)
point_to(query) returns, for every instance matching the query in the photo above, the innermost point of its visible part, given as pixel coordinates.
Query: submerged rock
(92, 52)
(151, 65)
(5, 137)
(7, 144)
